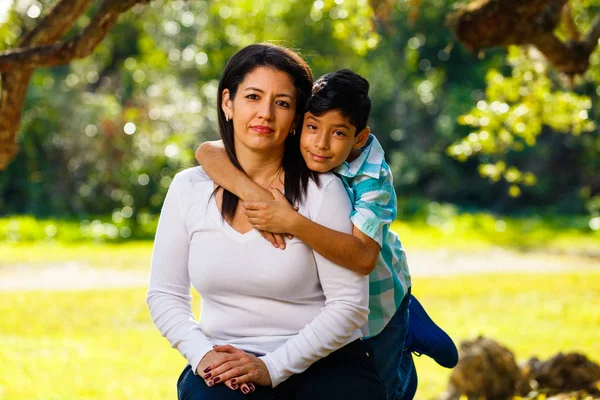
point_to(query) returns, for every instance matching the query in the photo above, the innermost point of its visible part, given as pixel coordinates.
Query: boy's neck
(354, 154)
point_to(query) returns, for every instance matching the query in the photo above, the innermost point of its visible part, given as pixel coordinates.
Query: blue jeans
(347, 373)
(394, 365)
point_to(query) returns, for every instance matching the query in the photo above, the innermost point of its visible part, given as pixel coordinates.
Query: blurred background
(495, 159)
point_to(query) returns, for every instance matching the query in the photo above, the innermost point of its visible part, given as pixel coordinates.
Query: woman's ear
(226, 104)
(361, 138)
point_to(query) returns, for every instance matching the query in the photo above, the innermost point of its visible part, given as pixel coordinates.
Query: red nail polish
(233, 380)
(217, 379)
(207, 369)
(245, 390)
(206, 376)
(234, 386)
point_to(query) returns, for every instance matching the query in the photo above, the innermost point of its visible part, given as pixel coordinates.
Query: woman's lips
(262, 129)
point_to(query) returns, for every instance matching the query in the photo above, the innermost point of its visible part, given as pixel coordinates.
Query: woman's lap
(345, 374)
(193, 387)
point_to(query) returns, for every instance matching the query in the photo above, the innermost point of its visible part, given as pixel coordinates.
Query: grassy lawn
(127, 255)
(101, 344)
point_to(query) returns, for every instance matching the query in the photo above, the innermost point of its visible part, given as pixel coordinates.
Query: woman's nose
(265, 110)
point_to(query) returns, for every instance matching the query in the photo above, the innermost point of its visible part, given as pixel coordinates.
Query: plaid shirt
(368, 181)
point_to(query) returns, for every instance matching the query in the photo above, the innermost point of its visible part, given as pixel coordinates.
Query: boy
(335, 138)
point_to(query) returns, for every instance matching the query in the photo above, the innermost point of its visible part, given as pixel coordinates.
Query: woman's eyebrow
(262, 91)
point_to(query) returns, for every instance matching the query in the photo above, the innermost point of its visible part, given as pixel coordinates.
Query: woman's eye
(311, 127)
(252, 96)
(282, 103)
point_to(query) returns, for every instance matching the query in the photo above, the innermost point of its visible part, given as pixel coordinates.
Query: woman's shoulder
(194, 178)
(328, 188)
(324, 182)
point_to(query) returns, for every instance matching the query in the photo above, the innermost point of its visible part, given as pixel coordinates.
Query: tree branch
(489, 23)
(593, 35)
(19, 64)
(56, 23)
(567, 16)
(78, 47)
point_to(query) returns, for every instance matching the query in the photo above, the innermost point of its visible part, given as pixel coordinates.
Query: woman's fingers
(233, 373)
(226, 348)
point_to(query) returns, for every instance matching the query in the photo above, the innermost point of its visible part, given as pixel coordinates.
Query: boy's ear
(226, 105)
(361, 138)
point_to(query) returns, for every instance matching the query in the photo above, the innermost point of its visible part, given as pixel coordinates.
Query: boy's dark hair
(345, 91)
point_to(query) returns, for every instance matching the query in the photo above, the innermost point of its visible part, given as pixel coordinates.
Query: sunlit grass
(101, 344)
(464, 232)
(475, 232)
(128, 255)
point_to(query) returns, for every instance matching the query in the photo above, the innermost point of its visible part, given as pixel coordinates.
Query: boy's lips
(262, 129)
(318, 158)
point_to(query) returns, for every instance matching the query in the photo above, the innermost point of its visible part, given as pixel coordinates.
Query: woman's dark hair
(241, 64)
(345, 91)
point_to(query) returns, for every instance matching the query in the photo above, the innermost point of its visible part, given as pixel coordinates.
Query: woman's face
(262, 110)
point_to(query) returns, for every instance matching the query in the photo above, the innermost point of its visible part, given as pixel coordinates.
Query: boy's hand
(271, 216)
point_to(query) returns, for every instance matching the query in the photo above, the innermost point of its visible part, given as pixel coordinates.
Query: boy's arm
(357, 252)
(213, 158)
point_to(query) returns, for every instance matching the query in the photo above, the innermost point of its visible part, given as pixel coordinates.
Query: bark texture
(40, 48)
(483, 24)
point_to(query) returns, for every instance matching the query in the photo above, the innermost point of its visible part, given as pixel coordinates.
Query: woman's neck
(262, 168)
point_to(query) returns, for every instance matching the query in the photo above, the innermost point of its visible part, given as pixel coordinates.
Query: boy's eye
(252, 96)
(283, 103)
(339, 133)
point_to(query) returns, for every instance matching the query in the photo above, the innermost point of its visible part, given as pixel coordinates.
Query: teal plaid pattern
(368, 181)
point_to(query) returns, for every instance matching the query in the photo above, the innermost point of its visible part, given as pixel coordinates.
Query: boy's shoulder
(369, 165)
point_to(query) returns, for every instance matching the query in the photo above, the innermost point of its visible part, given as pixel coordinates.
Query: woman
(285, 324)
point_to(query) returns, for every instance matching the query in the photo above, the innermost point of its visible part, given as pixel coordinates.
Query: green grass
(127, 255)
(101, 344)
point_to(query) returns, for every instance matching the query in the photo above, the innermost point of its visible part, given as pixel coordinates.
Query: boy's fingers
(289, 236)
(254, 205)
(271, 238)
(276, 193)
(280, 241)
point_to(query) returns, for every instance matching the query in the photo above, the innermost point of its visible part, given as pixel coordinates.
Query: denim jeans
(394, 365)
(347, 373)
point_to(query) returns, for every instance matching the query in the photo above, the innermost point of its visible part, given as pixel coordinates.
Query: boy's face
(327, 140)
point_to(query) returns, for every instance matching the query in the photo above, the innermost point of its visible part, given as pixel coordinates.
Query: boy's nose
(322, 141)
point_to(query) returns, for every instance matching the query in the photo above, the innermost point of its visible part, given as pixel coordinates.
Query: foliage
(104, 345)
(105, 135)
(427, 227)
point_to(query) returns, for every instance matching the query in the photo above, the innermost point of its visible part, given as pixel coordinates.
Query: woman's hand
(272, 216)
(213, 357)
(237, 367)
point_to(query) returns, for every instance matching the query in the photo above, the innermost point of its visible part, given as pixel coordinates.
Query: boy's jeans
(394, 365)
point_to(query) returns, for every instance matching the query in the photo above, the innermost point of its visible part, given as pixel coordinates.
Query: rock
(564, 373)
(486, 369)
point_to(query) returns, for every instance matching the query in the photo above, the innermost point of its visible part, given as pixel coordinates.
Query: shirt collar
(368, 163)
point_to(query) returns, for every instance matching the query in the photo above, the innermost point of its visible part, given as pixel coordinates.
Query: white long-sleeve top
(291, 307)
